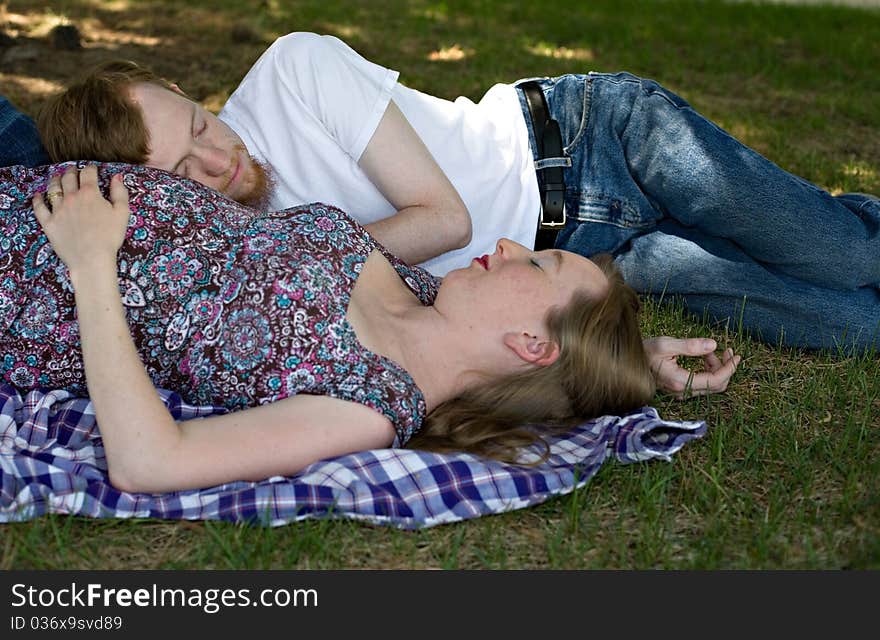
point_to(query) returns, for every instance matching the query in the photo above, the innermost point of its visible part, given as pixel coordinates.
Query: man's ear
(535, 350)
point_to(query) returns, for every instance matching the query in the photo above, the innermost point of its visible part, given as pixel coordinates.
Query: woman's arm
(146, 449)
(431, 217)
(280, 438)
(86, 231)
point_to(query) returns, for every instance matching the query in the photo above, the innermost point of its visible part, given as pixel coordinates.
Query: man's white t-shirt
(310, 105)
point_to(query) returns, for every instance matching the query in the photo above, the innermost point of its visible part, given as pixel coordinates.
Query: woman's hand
(663, 354)
(85, 229)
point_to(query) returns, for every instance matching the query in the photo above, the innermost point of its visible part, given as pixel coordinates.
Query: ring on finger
(52, 196)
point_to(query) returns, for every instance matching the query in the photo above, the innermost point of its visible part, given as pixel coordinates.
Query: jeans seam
(619, 225)
(648, 92)
(620, 221)
(585, 115)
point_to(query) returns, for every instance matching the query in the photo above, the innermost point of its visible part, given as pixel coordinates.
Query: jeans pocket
(869, 212)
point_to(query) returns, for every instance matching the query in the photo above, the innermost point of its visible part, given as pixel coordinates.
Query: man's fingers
(715, 381)
(686, 346)
(735, 360)
(731, 359)
(682, 384)
(705, 383)
(713, 363)
(672, 378)
(725, 373)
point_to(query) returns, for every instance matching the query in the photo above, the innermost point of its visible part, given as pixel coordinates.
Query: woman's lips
(484, 261)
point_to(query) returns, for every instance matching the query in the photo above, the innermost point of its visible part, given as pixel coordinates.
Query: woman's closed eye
(536, 263)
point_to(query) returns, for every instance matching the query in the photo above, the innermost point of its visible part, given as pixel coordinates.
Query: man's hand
(431, 217)
(663, 354)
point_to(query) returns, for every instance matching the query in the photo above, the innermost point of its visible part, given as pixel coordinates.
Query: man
(686, 209)
(127, 114)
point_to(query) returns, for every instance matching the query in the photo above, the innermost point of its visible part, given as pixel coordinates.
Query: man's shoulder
(303, 43)
(285, 57)
(309, 61)
(298, 54)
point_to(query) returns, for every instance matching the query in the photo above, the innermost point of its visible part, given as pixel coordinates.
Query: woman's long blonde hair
(601, 369)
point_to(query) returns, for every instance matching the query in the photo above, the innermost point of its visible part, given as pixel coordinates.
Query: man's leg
(715, 276)
(19, 141)
(643, 161)
(698, 175)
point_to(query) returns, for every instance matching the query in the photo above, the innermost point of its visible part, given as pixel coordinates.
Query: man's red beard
(264, 183)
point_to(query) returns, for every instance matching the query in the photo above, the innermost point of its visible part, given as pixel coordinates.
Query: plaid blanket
(52, 461)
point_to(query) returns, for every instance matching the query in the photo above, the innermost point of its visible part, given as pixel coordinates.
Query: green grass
(787, 476)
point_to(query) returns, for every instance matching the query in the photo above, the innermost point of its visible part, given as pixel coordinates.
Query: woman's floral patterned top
(227, 306)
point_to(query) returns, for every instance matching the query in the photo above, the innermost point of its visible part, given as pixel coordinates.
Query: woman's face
(513, 288)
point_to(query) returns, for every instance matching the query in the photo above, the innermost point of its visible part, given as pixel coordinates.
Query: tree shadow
(731, 60)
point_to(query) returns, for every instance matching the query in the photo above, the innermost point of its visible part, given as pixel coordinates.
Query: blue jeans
(691, 213)
(19, 141)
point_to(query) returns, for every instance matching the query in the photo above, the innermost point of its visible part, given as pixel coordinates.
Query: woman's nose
(507, 248)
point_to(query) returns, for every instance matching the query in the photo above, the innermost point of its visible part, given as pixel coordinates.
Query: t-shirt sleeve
(326, 80)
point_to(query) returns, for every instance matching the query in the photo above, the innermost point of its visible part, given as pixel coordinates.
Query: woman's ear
(533, 349)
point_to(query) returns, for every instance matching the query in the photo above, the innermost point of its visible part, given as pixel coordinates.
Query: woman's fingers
(70, 181)
(84, 228)
(41, 211)
(717, 378)
(54, 192)
(88, 177)
(118, 193)
(54, 184)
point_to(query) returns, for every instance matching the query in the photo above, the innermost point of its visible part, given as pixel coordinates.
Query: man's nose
(213, 161)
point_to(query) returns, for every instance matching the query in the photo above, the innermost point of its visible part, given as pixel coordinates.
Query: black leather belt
(551, 182)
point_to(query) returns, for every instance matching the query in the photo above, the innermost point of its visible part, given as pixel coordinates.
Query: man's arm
(431, 217)
(322, 82)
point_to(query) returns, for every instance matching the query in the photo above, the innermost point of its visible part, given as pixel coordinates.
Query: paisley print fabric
(228, 306)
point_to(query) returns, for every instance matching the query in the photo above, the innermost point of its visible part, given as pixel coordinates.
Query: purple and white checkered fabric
(52, 461)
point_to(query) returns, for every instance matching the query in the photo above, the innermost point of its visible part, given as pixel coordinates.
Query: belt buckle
(551, 224)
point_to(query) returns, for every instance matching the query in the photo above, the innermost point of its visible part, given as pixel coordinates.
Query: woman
(327, 343)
